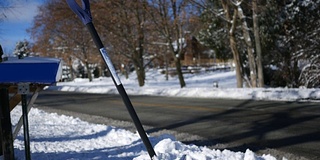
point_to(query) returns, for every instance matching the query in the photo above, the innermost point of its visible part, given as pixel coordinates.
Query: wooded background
(273, 43)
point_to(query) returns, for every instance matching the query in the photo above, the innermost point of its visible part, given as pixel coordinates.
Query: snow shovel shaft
(85, 16)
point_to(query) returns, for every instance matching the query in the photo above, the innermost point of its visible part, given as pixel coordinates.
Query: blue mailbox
(22, 73)
(35, 70)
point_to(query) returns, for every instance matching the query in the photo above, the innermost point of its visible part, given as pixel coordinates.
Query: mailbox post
(23, 89)
(37, 73)
(6, 127)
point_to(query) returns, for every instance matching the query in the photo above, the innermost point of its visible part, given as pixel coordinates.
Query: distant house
(196, 54)
(193, 54)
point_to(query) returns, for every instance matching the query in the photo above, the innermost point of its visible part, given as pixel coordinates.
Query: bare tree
(127, 31)
(4, 7)
(58, 33)
(170, 18)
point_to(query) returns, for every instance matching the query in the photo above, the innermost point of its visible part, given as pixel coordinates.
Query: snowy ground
(198, 85)
(60, 137)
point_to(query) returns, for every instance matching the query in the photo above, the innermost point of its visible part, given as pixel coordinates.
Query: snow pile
(168, 149)
(54, 136)
(198, 85)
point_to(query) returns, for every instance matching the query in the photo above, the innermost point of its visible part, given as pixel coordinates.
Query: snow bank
(54, 136)
(198, 85)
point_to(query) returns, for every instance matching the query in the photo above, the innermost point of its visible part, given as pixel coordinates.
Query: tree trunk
(138, 57)
(179, 72)
(167, 67)
(140, 76)
(126, 71)
(295, 73)
(86, 63)
(257, 43)
(236, 57)
(233, 44)
(88, 71)
(139, 68)
(250, 49)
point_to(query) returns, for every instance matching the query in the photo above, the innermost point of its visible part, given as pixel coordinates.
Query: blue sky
(18, 18)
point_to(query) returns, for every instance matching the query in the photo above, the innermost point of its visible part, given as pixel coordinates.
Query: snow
(198, 85)
(54, 136)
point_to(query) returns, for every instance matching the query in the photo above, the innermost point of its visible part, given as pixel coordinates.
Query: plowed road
(290, 127)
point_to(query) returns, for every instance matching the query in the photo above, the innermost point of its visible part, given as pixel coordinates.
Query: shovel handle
(84, 12)
(85, 16)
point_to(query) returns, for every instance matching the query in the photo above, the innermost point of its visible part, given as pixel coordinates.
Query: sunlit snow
(54, 136)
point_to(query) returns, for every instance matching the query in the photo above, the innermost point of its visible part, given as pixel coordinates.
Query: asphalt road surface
(288, 127)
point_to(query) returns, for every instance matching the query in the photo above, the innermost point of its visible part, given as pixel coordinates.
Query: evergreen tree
(22, 49)
(1, 53)
(214, 34)
(304, 39)
(290, 31)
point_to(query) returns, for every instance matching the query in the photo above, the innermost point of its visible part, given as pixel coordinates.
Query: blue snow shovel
(85, 16)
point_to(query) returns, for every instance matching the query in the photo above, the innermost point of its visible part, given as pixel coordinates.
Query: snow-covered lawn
(60, 137)
(198, 85)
